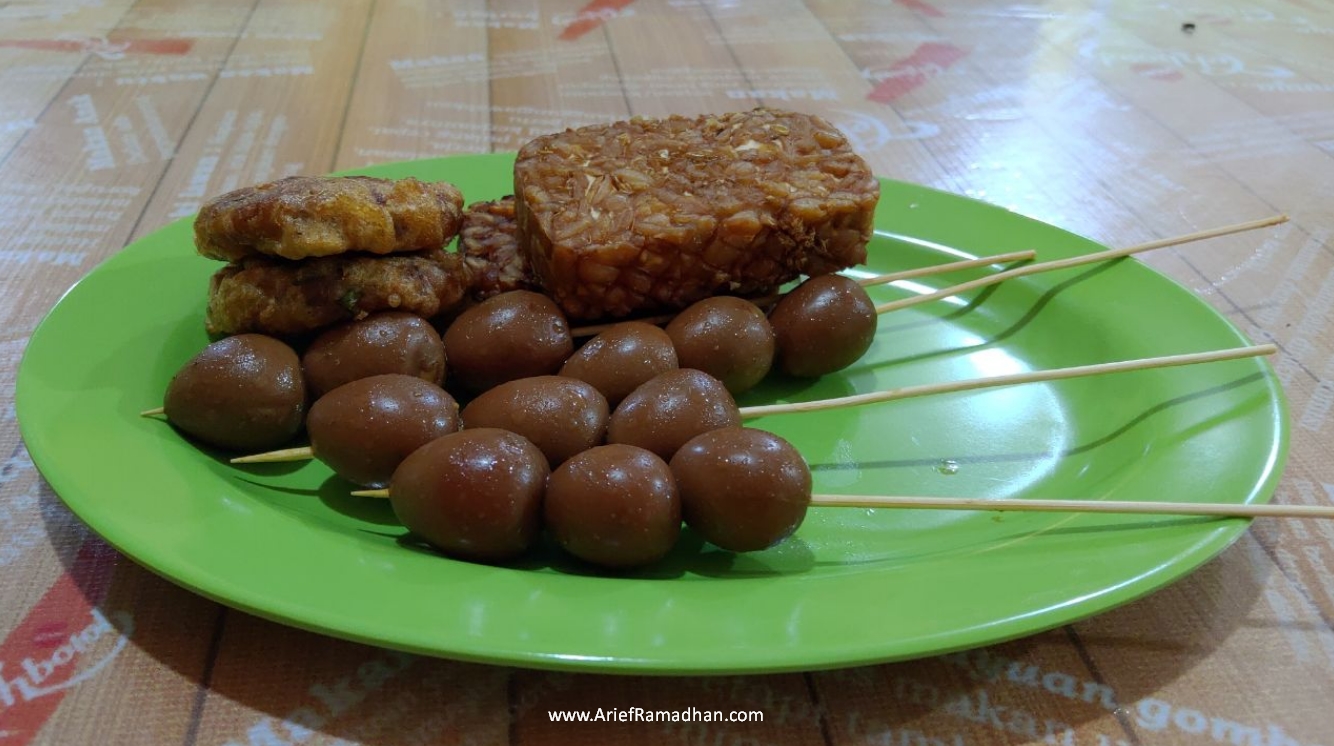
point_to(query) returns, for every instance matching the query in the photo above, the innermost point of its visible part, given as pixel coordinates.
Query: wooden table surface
(1123, 122)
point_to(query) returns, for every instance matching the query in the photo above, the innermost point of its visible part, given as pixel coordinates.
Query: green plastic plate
(853, 585)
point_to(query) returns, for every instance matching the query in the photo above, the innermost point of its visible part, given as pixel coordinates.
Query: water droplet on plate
(948, 466)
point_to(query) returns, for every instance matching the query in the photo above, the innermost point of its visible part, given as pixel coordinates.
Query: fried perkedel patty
(310, 216)
(275, 296)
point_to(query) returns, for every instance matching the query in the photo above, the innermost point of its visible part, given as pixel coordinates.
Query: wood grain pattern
(1116, 121)
(418, 92)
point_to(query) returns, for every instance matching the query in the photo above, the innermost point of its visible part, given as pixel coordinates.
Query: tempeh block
(655, 214)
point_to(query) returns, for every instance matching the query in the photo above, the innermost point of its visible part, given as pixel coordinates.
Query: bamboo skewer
(305, 452)
(1077, 261)
(295, 455)
(1222, 510)
(938, 269)
(1229, 510)
(907, 274)
(1032, 269)
(299, 453)
(908, 392)
(302, 453)
(1080, 506)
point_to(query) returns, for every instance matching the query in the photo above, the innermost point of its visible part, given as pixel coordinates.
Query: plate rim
(1186, 561)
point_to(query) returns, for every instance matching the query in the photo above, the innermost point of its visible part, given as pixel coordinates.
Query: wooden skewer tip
(153, 412)
(300, 453)
(370, 493)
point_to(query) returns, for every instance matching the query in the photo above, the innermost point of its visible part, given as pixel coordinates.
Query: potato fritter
(489, 243)
(274, 296)
(312, 216)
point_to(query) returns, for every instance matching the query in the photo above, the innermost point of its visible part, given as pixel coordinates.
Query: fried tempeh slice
(275, 296)
(311, 216)
(489, 243)
(654, 214)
